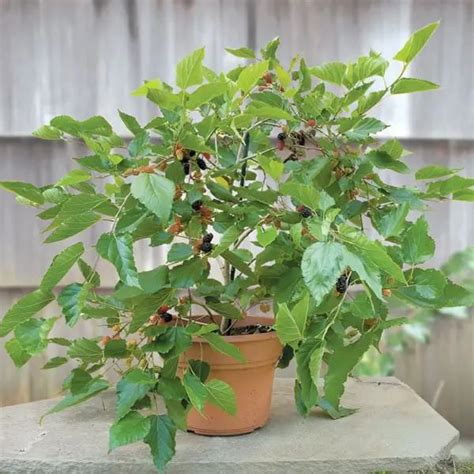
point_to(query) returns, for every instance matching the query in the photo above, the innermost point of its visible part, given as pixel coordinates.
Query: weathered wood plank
(87, 55)
(23, 257)
(442, 372)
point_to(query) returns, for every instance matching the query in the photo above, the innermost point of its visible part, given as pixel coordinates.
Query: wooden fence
(82, 57)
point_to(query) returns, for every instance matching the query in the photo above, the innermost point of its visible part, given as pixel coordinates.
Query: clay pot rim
(252, 321)
(261, 336)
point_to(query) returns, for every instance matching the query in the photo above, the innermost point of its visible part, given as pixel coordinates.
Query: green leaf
(186, 274)
(381, 159)
(416, 43)
(179, 252)
(417, 245)
(146, 306)
(79, 204)
(72, 226)
(272, 167)
(156, 193)
(250, 75)
(96, 125)
(191, 141)
(118, 249)
(61, 264)
(322, 264)
(266, 236)
(238, 263)
(204, 94)
(189, 70)
(85, 349)
(270, 49)
(228, 310)
(330, 72)
(364, 68)
(172, 342)
(450, 185)
(220, 192)
(116, 349)
(372, 251)
(302, 193)
(290, 325)
(25, 190)
(55, 362)
(392, 222)
(46, 132)
(131, 428)
(241, 52)
(196, 391)
(134, 385)
(16, 352)
(340, 363)
(267, 111)
(140, 145)
(130, 122)
(394, 148)
(425, 288)
(74, 176)
(228, 238)
(79, 381)
(309, 358)
(221, 395)
(369, 101)
(364, 127)
(199, 368)
(366, 269)
(95, 387)
(72, 300)
(91, 276)
(219, 344)
(161, 440)
(406, 85)
(33, 334)
(26, 307)
(435, 171)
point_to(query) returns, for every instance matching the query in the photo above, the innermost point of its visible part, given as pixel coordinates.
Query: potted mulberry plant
(282, 241)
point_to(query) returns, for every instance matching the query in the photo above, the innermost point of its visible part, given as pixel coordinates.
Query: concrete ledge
(393, 430)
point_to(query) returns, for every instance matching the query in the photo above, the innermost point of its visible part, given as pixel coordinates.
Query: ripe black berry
(281, 136)
(192, 152)
(305, 212)
(167, 317)
(206, 247)
(341, 284)
(208, 237)
(292, 157)
(201, 163)
(196, 205)
(186, 167)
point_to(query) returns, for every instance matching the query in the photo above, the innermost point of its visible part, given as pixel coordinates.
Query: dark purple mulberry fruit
(206, 247)
(208, 237)
(201, 163)
(196, 205)
(342, 283)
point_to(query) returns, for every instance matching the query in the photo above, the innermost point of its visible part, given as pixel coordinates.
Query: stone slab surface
(393, 430)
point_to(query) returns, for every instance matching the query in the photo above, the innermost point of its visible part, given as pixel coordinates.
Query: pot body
(251, 380)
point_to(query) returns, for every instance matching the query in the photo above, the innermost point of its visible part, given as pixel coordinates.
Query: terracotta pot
(252, 381)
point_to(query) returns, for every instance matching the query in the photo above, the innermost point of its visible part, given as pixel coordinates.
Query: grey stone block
(393, 430)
